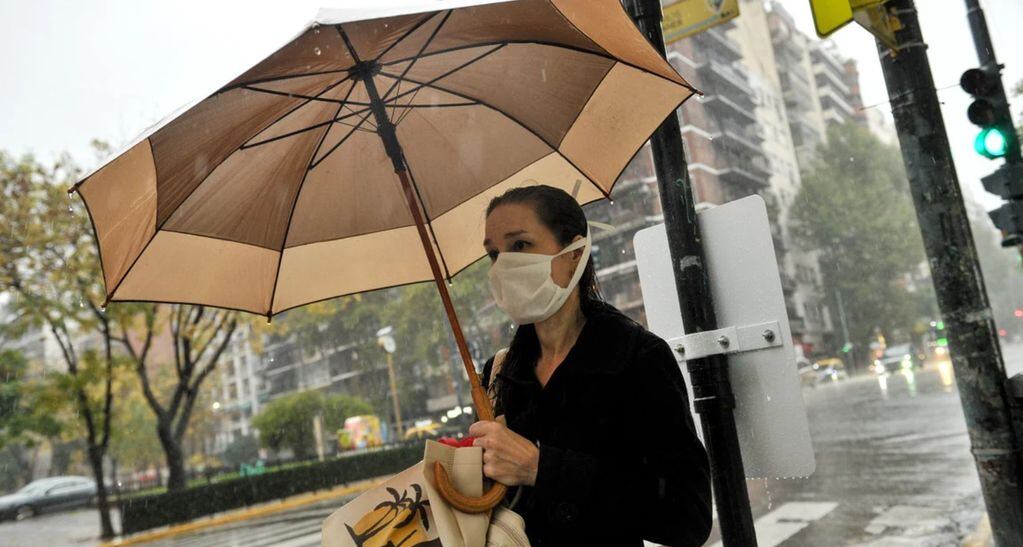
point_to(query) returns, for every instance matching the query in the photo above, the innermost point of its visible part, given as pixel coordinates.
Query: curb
(981, 535)
(250, 513)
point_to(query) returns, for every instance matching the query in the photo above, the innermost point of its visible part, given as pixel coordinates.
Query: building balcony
(826, 77)
(820, 55)
(786, 47)
(727, 107)
(750, 138)
(831, 99)
(717, 39)
(744, 175)
(732, 79)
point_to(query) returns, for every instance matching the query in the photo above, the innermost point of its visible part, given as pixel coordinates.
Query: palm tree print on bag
(401, 522)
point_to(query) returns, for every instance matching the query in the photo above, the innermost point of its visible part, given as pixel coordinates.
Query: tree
(133, 444)
(243, 449)
(338, 408)
(50, 269)
(23, 423)
(21, 414)
(199, 337)
(854, 209)
(287, 422)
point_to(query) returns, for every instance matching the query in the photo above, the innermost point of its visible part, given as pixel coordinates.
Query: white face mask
(522, 285)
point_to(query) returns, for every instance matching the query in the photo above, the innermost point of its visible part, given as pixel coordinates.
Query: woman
(594, 421)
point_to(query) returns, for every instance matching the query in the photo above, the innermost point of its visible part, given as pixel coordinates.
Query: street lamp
(387, 343)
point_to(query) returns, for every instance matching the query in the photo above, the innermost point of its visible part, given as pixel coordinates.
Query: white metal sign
(774, 436)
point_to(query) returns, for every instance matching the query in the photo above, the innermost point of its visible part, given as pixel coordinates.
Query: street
(893, 468)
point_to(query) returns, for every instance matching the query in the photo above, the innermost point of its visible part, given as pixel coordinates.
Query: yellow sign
(879, 22)
(684, 18)
(831, 15)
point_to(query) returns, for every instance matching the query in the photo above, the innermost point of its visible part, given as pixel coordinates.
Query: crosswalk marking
(787, 520)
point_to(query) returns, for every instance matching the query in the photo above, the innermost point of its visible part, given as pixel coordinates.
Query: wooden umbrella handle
(460, 501)
(480, 400)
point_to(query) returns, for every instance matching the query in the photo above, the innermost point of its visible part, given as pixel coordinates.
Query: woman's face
(515, 228)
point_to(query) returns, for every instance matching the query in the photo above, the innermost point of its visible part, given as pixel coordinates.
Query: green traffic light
(991, 143)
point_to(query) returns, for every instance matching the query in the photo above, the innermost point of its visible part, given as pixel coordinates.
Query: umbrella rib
(421, 85)
(303, 130)
(406, 35)
(299, 95)
(293, 110)
(408, 109)
(397, 82)
(426, 44)
(298, 194)
(512, 118)
(429, 221)
(279, 78)
(542, 43)
(339, 143)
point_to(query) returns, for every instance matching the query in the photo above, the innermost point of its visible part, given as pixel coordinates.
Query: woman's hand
(508, 458)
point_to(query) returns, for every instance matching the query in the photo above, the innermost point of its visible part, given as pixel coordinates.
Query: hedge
(152, 511)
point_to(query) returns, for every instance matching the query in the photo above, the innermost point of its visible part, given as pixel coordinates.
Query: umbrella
(361, 154)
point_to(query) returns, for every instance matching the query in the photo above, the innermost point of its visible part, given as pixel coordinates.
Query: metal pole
(712, 391)
(958, 283)
(394, 396)
(841, 317)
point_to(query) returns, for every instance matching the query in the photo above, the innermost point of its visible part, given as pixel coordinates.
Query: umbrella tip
(269, 317)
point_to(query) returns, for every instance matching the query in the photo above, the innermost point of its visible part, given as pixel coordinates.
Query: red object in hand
(463, 443)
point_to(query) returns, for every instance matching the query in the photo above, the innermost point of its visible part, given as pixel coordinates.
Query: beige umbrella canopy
(362, 154)
(276, 191)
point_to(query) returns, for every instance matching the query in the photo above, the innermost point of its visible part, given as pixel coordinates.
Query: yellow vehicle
(422, 431)
(360, 432)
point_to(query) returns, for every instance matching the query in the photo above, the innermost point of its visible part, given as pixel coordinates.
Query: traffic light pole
(955, 270)
(712, 392)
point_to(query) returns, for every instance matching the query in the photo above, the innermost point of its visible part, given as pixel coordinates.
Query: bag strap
(495, 369)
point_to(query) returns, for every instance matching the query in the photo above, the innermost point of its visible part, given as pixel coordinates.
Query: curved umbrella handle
(460, 501)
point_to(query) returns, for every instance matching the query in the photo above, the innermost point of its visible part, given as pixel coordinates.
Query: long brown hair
(564, 217)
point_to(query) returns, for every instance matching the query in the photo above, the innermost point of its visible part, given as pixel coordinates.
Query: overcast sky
(72, 71)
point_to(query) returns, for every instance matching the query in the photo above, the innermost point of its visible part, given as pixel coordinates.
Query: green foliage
(12, 397)
(855, 210)
(338, 408)
(134, 443)
(287, 422)
(244, 449)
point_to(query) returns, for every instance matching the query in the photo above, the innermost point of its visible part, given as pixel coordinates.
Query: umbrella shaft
(479, 396)
(386, 130)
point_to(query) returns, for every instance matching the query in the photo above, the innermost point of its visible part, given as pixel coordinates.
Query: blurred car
(896, 358)
(819, 372)
(830, 369)
(49, 494)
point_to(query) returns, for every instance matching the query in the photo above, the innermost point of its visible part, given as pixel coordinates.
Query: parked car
(896, 358)
(49, 494)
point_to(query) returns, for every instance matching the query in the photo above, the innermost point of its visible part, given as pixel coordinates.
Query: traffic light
(990, 111)
(1007, 182)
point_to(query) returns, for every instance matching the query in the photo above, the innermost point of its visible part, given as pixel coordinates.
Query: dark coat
(619, 457)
